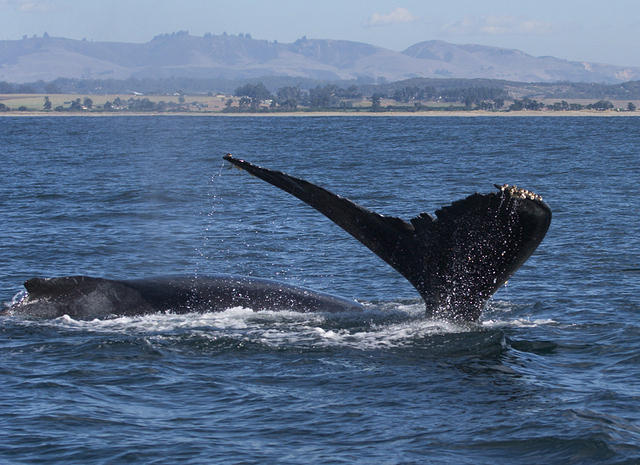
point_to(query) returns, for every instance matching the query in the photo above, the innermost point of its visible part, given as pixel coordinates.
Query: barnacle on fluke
(518, 192)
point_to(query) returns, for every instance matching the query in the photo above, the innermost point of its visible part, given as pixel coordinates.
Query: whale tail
(455, 260)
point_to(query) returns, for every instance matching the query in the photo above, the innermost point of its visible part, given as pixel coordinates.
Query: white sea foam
(387, 335)
(381, 325)
(384, 326)
(518, 323)
(16, 298)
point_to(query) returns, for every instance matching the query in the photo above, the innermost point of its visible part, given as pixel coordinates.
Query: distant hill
(234, 57)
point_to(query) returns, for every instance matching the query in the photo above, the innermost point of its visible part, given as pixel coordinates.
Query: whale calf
(455, 260)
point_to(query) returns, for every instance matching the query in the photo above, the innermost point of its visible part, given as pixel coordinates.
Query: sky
(604, 31)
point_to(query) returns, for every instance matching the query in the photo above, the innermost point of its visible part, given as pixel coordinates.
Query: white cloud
(496, 25)
(399, 15)
(28, 5)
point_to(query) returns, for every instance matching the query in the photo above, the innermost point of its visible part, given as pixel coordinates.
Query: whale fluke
(456, 260)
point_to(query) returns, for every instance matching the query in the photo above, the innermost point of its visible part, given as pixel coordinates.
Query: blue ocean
(551, 375)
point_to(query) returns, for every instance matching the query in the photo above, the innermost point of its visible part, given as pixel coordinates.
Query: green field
(35, 102)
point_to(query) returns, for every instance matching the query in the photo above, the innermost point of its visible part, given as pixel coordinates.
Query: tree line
(331, 97)
(256, 97)
(563, 105)
(290, 98)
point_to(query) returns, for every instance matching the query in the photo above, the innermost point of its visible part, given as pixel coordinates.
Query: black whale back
(86, 297)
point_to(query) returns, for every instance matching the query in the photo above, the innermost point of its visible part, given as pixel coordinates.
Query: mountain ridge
(242, 57)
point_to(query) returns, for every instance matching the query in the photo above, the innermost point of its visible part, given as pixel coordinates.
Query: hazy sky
(606, 31)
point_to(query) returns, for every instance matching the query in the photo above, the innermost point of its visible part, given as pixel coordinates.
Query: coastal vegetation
(419, 95)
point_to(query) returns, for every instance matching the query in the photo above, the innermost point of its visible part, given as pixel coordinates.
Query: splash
(202, 257)
(383, 326)
(518, 323)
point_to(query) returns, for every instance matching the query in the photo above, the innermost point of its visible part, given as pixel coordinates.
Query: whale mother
(455, 260)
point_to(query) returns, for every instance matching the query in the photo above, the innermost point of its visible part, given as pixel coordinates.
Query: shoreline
(301, 114)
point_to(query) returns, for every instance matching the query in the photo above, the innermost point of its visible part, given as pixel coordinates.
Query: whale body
(455, 260)
(86, 297)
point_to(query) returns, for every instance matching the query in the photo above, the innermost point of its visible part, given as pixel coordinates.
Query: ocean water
(550, 375)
